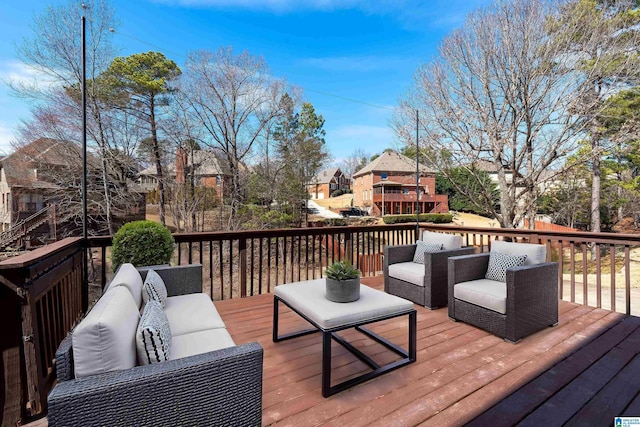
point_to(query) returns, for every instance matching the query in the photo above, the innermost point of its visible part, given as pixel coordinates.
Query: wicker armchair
(427, 284)
(526, 303)
(221, 387)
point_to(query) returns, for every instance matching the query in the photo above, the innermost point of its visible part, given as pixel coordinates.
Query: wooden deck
(579, 371)
(582, 372)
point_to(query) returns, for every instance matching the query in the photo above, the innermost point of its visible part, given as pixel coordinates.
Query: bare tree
(236, 101)
(501, 92)
(356, 161)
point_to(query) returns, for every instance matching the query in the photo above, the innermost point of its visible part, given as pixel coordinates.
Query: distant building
(387, 185)
(328, 181)
(48, 173)
(208, 171)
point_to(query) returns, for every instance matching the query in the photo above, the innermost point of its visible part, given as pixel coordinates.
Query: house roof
(391, 161)
(325, 176)
(206, 163)
(21, 167)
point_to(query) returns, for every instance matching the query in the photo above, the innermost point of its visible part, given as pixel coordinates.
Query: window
(405, 191)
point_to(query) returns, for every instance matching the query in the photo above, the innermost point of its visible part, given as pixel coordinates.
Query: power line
(333, 95)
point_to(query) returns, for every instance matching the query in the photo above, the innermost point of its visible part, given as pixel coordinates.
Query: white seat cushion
(408, 271)
(309, 298)
(129, 277)
(105, 340)
(200, 342)
(448, 241)
(536, 254)
(191, 313)
(486, 293)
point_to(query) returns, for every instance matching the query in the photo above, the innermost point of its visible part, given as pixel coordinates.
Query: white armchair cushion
(105, 340)
(536, 254)
(422, 247)
(499, 263)
(129, 277)
(486, 293)
(153, 336)
(154, 288)
(408, 271)
(448, 241)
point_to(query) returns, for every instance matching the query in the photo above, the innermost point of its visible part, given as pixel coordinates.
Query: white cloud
(15, 72)
(6, 140)
(413, 15)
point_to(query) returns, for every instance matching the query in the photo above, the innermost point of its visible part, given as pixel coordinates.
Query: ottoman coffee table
(308, 300)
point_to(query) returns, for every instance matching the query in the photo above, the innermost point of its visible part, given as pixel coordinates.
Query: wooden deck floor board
(462, 374)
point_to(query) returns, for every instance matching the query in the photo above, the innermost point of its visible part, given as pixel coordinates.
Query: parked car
(353, 212)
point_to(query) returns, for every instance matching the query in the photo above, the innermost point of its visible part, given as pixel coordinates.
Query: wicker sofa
(524, 303)
(425, 284)
(208, 381)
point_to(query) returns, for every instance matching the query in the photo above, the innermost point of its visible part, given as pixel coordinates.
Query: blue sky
(357, 49)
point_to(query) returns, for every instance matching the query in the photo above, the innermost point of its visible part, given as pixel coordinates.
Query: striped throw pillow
(154, 288)
(153, 336)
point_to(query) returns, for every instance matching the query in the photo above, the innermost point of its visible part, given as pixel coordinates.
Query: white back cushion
(129, 277)
(448, 241)
(536, 254)
(105, 340)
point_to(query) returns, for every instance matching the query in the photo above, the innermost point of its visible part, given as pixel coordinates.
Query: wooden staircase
(22, 229)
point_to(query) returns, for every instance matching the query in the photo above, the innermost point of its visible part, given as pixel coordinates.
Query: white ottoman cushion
(449, 241)
(309, 299)
(129, 277)
(191, 313)
(105, 340)
(486, 293)
(408, 271)
(200, 342)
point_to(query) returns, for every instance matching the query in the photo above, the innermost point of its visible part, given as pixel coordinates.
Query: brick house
(207, 168)
(387, 185)
(328, 181)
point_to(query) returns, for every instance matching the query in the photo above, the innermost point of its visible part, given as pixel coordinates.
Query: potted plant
(342, 282)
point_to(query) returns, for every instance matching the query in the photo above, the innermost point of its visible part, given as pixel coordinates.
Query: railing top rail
(37, 255)
(98, 241)
(605, 238)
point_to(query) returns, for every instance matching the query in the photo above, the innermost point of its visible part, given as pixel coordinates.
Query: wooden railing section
(42, 295)
(42, 299)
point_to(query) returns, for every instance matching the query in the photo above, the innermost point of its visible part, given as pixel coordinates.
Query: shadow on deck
(582, 371)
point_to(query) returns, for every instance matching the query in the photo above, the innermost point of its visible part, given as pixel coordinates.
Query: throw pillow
(499, 262)
(154, 288)
(422, 247)
(153, 337)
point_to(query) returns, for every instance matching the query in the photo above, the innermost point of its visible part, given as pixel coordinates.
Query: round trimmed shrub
(142, 243)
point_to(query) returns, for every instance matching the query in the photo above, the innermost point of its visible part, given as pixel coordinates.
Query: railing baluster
(627, 280)
(585, 277)
(612, 260)
(573, 272)
(598, 278)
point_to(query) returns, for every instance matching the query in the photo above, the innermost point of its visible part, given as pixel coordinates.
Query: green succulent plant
(342, 270)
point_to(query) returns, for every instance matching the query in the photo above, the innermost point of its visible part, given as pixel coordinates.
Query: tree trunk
(157, 158)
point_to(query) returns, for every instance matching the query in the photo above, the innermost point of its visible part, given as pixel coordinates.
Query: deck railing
(42, 295)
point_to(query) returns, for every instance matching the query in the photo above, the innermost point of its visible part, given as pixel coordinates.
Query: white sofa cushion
(191, 313)
(129, 277)
(154, 288)
(422, 247)
(200, 342)
(105, 340)
(536, 254)
(408, 271)
(449, 241)
(486, 293)
(153, 336)
(499, 263)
